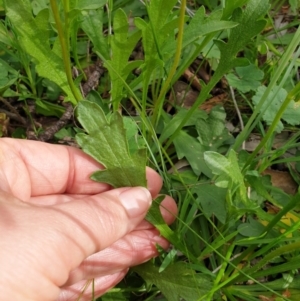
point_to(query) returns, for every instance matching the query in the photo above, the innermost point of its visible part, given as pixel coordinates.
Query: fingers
(86, 290)
(168, 209)
(55, 240)
(45, 169)
(168, 206)
(133, 249)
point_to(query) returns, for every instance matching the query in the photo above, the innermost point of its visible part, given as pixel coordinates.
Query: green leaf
(199, 26)
(33, 35)
(92, 24)
(87, 4)
(156, 33)
(106, 142)
(246, 79)
(212, 200)
(176, 282)
(39, 5)
(47, 108)
(252, 228)
(212, 131)
(8, 76)
(159, 11)
(249, 25)
(229, 175)
(230, 6)
(188, 147)
(135, 141)
(113, 296)
(274, 101)
(218, 163)
(122, 45)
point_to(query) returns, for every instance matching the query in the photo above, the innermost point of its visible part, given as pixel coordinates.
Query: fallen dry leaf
(282, 180)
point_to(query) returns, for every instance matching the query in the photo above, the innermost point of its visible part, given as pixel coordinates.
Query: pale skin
(59, 229)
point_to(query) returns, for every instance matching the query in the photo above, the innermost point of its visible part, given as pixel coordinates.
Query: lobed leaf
(274, 101)
(106, 142)
(122, 45)
(212, 200)
(212, 131)
(34, 37)
(250, 24)
(190, 148)
(176, 282)
(92, 24)
(247, 78)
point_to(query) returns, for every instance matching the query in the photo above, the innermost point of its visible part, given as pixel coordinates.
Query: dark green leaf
(252, 228)
(176, 282)
(212, 200)
(188, 147)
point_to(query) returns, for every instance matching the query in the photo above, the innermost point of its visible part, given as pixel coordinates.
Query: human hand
(58, 228)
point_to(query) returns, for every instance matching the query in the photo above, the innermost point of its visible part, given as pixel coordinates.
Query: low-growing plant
(236, 236)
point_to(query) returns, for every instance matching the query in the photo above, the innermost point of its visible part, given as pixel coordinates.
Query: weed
(236, 236)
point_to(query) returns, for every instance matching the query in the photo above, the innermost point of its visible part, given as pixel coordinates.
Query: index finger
(33, 168)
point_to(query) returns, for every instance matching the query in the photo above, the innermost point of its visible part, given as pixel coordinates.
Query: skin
(59, 229)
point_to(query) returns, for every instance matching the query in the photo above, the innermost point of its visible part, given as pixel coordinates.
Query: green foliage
(92, 24)
(209, 24)
(188, 147)
(106, 142)
(212, 200)
(34, 37)
(8, 76)
(291, 115)
(225, 233)
(241, 34)
(246, 79)
(239, 37)
(229, 176)
(176, 282)
(122, 44)
(212, 131)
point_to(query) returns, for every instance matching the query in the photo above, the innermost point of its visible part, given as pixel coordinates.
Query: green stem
(160, 100)
(63, 39)
(221, 272)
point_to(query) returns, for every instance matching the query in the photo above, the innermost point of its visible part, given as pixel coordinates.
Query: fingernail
(136, 201)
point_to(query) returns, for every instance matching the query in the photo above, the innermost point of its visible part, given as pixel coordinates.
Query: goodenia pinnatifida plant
(105, 141)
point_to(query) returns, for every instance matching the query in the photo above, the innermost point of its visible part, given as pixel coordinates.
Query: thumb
(95, 222)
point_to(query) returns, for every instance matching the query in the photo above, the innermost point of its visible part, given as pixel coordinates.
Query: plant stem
(221, 272)
(63, 39)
